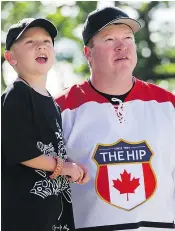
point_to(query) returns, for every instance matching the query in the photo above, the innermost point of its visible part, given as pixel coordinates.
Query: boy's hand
(73, 171)
(83, 179)
(86, 176)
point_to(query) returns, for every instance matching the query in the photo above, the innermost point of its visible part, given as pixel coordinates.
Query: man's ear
(87, 53)
(9, 56)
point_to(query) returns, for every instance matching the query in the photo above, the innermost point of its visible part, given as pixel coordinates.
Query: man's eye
(109, 39)
(129, 37)
(29, 41)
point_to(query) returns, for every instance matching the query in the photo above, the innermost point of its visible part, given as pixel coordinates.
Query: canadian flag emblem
(125, 177)
(126, 185)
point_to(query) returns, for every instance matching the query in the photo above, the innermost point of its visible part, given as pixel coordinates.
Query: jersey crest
(125, 177)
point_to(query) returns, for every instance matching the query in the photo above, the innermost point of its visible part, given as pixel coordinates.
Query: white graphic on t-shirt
(60, 227)
(47, 187)
(61, 144)
(47, 149)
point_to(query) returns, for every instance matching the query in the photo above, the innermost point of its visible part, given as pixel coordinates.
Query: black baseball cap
(16, 30)
(100, 18)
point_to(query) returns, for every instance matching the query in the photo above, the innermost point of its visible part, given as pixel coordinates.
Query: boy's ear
(8, 55)
(87, 53)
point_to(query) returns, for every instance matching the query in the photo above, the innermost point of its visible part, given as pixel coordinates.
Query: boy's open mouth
(41, 59)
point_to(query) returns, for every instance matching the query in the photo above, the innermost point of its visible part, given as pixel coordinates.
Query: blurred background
(155, 42)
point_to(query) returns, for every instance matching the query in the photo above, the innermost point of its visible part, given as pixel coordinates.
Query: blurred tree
(156, 52)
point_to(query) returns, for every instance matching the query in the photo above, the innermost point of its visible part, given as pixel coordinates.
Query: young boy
(35, 170)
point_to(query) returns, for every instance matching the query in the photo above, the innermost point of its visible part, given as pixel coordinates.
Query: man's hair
(90, 43)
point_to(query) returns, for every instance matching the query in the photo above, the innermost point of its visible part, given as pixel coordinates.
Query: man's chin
(124, 68)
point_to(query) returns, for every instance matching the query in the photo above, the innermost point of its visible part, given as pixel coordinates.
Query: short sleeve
(19, 134)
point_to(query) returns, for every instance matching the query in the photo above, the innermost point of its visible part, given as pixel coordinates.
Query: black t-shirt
(31, 126)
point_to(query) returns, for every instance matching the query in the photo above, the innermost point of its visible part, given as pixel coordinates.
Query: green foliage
(165, 68)
(83, 70)
(157, 66)
(168, 84)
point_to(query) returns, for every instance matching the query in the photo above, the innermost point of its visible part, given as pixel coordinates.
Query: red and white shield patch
(125, 177)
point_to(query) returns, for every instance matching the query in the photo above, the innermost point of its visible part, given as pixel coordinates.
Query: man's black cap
(16, 30)
(100, 18)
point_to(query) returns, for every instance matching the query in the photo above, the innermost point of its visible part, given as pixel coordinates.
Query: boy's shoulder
(14, 93)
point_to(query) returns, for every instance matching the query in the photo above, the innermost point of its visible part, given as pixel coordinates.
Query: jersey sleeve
(19, 134)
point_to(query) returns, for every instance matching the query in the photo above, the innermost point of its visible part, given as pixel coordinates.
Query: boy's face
(33, 54)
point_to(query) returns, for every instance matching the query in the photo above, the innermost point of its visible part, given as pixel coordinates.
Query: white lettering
(130, 155)
(120, 155)
(104, 153)
(142, 153)
(112, 156)
(137, 155)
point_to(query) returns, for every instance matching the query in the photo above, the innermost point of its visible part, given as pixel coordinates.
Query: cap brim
(43, 23)
(133, 24)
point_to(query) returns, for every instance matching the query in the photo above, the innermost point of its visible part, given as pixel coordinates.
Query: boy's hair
(16, 30)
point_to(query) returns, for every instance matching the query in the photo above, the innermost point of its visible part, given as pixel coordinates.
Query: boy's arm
(67, 123)
(43, 162)
(48, 163)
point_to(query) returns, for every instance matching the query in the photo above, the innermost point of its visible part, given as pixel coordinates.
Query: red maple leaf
(126, 185)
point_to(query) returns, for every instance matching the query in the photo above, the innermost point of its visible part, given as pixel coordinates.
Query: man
(123, 130)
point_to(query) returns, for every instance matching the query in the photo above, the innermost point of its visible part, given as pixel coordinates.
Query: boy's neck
(37, 83)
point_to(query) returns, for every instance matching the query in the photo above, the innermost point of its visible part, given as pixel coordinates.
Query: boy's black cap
(100, 18)
(16, 30)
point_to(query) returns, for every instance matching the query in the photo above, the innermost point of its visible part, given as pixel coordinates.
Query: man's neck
(112, 86)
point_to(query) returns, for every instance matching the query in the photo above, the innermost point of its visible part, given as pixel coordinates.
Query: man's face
(113, 50)
(33, 52)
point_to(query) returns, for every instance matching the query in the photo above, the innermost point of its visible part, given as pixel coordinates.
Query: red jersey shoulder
(148, 91)
(72, 97)
(78, 95)
(160, 94)
(64, 97)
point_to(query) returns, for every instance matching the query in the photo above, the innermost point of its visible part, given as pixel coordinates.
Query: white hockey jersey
(130, 155)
